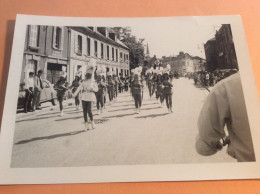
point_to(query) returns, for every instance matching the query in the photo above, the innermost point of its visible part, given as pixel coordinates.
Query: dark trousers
(87, 109)
(77, 100)
(157, 95)
(105, 98)
(100, 100)
(161, 97)
(138, 100)
(28, 100)
(36, 98)
(110, 95)
(150, 90)
(60, 99)
(168, 98)
(115, 92)
(126, 88)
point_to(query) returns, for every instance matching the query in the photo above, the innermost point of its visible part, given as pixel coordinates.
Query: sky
(169, 37)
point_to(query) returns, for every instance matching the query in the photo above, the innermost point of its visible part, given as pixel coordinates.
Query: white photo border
(126, 173)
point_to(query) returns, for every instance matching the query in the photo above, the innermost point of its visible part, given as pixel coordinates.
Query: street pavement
(121, 137)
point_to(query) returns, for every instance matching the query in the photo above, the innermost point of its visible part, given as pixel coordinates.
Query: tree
(136, 53)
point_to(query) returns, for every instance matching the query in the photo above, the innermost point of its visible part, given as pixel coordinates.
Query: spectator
(225, 106)
(38, 86)
(29, 87)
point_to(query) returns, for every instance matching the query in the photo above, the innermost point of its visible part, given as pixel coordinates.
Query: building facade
(220, 51)
(184, 63)
(98, 43)
(54, 49)
(46, 48)
(211, 54)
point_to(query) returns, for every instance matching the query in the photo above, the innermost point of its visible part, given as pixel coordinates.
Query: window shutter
(54, 37)
(62, 38)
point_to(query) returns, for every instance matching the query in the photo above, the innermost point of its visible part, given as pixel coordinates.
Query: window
(107, 52)
(96, 48)
(102, 51)
(34, 36)
(58, 38)
(127, 58)
(88, 47)
(121, 57)
(79, 44)
(113, 57)
(116, 55)
(124, 57)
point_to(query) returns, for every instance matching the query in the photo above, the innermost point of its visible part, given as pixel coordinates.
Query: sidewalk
(46, 106)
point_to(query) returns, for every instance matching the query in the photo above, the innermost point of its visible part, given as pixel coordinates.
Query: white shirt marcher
(225, 105)
(87, 88)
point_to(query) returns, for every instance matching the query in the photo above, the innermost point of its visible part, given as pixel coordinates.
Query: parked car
(46, 94)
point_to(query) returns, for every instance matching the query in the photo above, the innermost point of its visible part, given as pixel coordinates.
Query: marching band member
(75, 84)
(88, 87)
(167, 92)
(115, 79)
(110, 87)
(62, 87)
(137, 92)
(159, 89)
(150, 83)
(105, 90)
(100, 92)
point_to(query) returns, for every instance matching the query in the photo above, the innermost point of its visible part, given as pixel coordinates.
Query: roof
(99, 36)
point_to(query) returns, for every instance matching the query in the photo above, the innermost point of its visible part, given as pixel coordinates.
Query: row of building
(60, 48)
(220, 50)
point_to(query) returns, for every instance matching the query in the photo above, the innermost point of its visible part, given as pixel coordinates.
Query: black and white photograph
(137, 93)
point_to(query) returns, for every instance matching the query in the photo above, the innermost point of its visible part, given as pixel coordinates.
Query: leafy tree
(136, 53)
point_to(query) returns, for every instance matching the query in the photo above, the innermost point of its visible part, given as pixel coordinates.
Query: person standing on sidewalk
(75, 84)
(29, 86)
(38, 86)
(137, 93)
(167, 92)
(88, 88)
(62, 87)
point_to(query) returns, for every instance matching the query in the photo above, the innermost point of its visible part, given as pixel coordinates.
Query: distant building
(225, 48)
(184, 63)
(220, 51)
(211, 54)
